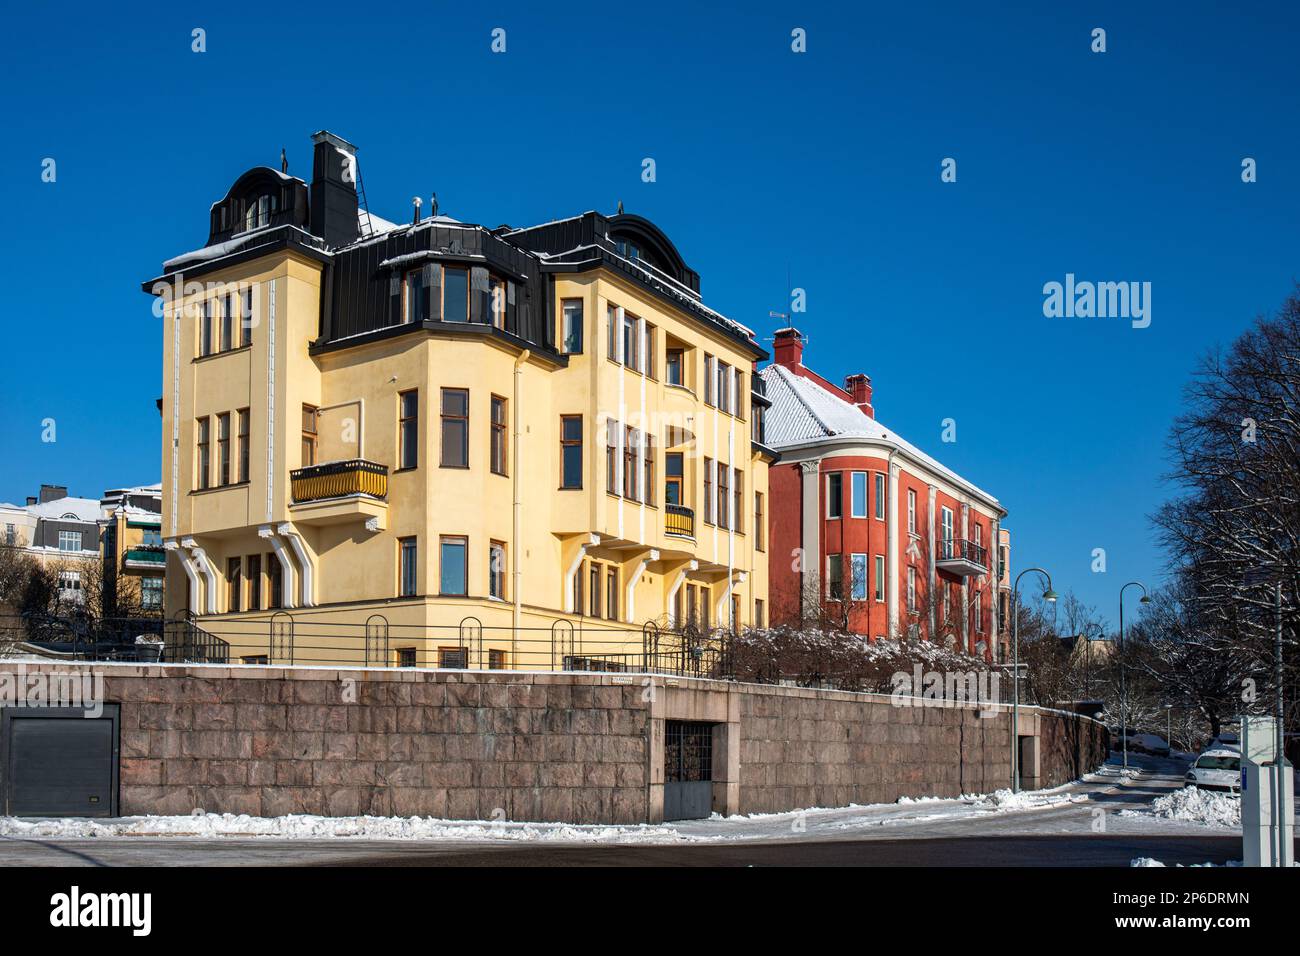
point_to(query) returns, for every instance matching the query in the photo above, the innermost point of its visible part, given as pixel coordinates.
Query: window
(880, 495)
(708, 491)
(631, 341)
(497, 570)
(453, 658)
(611, 593)
(274, 582)
(407, 582)
(309, 424)
(241, 429)
(497, 302)
(911, 588)
(612, 330)
(415, 298)
(594, 590)
(455, 428)
(406, 657)
(648, 460)
(911, 511)
(673, 478)
(724, 387)
(758, 613)
(246, 318)
(612, 431)
(151, 537)
(708, 379)
(979, 610)
(204, 457)
(453, 567)
(11, 535)
(835, 577)
(738, 496)
(408, 429)
(979, 535)
(756, 432)
(455, 295)
(946, 544)
(499, 436)
(571, 453)
(739, 393)
(69, 540)
(835, 495)
(760, 525)
(223, 448)
(631, 470)
(691, 604)
(205, 328)
(724, 491)
(880, 578)
(673, 367)
(649, 363)
(858, 581)
(151, 593)
(253, 574)
(571, 333)
(859, 502)
(227, 323)
(496, 659)
(234, 581)
(70, 586)
(577, 591)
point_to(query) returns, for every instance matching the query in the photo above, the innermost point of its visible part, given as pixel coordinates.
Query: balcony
(961, 557)
(145, 557)
(336, 492)
(679, 521)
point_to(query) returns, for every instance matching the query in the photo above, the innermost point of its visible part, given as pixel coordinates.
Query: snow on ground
(310, 827)
(1147, 861)
(1193, 805)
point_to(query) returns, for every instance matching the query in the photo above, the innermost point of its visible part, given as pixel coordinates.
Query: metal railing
(679, 520)
(337, 479)
(964, 550)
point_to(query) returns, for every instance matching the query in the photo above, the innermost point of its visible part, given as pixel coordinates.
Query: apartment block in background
(869, 532)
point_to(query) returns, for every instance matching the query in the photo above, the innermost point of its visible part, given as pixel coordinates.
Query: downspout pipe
(517, 505)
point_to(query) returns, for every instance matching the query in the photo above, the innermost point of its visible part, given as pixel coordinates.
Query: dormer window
(258, 212)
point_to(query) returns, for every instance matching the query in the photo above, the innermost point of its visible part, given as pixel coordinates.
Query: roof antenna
(284, 162)
(620, 207)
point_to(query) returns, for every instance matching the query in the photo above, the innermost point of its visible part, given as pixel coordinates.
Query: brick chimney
(53, 492)
(859, 386)
(788, 348)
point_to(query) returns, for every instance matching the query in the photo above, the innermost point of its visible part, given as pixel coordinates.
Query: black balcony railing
(338, 479)
(963, 550)
(679, 520)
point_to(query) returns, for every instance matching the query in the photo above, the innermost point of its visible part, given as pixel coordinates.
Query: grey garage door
(56, 762)
(688, 770)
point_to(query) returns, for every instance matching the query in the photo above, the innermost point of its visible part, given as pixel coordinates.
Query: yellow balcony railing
(679, 520)
(338, 479)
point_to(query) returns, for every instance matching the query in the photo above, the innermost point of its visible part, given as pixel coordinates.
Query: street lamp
(1123, 683)
(1048, 595)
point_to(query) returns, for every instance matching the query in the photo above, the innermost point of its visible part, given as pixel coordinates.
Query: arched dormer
(260, 197)
(639, 239)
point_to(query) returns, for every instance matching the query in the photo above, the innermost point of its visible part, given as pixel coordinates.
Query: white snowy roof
(81, 509)
(804, 413)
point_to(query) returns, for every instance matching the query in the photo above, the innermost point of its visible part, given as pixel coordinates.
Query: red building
(867, 530)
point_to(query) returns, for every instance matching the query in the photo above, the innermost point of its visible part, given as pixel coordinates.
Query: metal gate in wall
(688, 769)
(58, 762)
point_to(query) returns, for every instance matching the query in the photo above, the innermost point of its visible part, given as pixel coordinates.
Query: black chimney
(334, 189)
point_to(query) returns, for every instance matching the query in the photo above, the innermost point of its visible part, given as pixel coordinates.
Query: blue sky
(1116, 166)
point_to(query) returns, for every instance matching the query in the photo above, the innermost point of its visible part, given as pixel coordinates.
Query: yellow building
(439, 444)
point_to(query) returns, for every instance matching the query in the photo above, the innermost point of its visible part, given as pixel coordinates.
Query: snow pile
(1006, 801)
(1193, 805)
(1147, 861)
(1144, 861)
(310, 827)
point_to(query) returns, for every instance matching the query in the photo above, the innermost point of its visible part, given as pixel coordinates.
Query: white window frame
(946, 532)
(858, 509)
(911, 587)
(880, 579)
(853, 576)
(69, 535)
(911, 511)
(880, 496)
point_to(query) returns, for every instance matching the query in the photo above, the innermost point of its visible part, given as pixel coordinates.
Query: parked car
(1139, 743)
(1218, 769)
